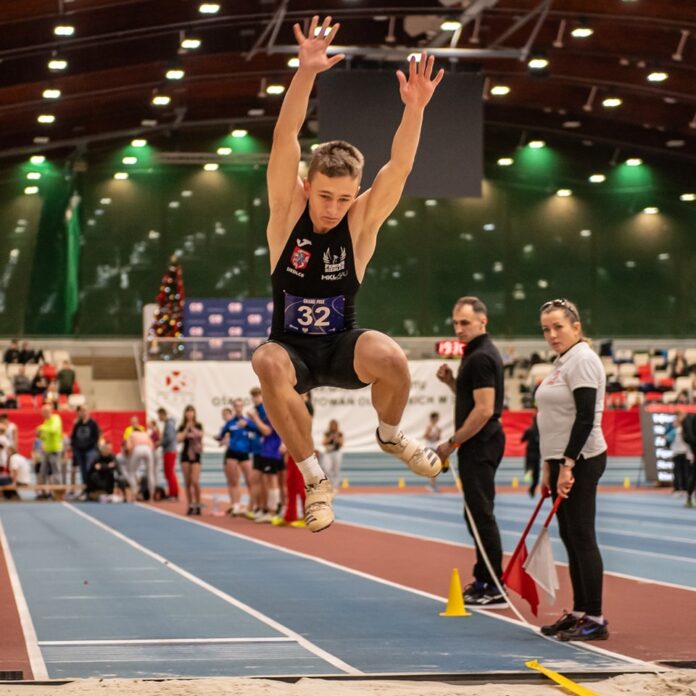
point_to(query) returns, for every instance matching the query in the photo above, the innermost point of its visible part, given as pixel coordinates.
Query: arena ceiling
(620, 73)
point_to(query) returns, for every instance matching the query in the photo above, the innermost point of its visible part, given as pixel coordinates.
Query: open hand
(419, 88)
(313, 48)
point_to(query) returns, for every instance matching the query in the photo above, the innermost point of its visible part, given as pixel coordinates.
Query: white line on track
(166, 641)
(405, 588)
(461, 545)
(307, 645)
(38, 666)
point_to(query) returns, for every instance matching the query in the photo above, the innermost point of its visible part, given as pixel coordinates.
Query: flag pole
(544, 494)
(554, 510)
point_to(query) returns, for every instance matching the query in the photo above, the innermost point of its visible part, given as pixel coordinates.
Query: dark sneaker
(565, 623)
(486, 598)
(585, 629)
(473, 591)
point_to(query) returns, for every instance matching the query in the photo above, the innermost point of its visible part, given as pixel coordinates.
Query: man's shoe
(318, 512)
(263, 518)
(473, 591)
(487, 598)
(585, 629)
(421, 460)
(565, 623)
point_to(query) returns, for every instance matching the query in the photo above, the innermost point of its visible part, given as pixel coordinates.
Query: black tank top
(314, 282)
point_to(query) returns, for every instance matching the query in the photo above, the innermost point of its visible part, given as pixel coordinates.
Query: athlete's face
(467, 323)
(330, 197)
(559, 331)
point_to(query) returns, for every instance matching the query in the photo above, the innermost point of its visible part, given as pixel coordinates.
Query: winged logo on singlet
(334, 262)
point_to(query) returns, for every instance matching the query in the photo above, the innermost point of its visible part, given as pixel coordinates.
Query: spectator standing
(66, 379)
(431, 439)
(570, 401)
(532, 455)
(10, 431)
(11, 355)
(134, 424)
(141, 454)
(333, 454)
(679, 367)
(168, 444)
(84, 441)
(479, 437)
(190, 435)
(21, 382)
(50, 433)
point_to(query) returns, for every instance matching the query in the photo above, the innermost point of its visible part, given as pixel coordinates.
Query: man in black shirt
(479, 437)
(321, 237)
(12, 353)
(84, 441)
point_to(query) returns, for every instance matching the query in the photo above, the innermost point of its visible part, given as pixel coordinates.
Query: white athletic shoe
(420, 460)
(318, 512)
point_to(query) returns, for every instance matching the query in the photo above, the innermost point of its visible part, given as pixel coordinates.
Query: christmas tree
(169, 315)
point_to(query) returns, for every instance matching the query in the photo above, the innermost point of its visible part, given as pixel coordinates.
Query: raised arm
(379, 201)
(282, 177)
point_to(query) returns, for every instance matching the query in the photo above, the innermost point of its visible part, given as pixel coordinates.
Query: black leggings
(576, 523)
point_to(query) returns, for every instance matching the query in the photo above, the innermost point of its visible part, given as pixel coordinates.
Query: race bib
(308, 315)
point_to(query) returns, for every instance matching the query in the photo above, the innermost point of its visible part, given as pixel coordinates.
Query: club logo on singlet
(300, 258)
(334, 265)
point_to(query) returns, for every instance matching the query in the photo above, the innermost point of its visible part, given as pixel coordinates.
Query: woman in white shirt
(570, 400)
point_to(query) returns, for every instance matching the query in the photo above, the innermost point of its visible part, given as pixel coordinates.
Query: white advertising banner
(210, 386)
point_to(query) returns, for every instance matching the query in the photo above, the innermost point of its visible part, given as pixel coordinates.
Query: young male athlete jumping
(321, 236)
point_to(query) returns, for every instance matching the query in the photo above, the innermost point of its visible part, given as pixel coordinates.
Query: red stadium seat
(25, 401)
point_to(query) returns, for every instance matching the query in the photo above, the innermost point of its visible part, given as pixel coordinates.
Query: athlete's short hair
(474, 302)
(337, 158)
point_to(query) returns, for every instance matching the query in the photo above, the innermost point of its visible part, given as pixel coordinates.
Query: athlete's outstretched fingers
(438, 77)
(401, 78)
(429, 67)
(299, 36)
(332, 32)
(324, 26)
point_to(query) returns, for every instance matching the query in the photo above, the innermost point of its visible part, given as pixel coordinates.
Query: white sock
(273, 500)
(311, 471)
(597, 619)
(388, 433)
(578, 614)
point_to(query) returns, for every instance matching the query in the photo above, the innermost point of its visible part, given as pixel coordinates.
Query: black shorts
(196, 459)
(236, 454)
(267, 465)
(322, 361)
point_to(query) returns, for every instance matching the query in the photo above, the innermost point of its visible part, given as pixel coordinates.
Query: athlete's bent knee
(269, 365)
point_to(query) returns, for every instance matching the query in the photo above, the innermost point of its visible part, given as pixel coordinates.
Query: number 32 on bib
(307, 315)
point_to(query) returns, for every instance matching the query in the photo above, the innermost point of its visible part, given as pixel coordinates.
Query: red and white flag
(541, 567)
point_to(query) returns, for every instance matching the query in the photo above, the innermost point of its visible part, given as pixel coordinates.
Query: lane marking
(389, 583)
(165, 641)
(38, 666)
(306, 644)
(462, 545)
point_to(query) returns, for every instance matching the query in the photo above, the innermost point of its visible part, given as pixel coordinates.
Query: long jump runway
(127, 591)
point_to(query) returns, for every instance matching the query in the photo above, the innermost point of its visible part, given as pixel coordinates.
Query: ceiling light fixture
(130, 160)
(500, 90)
(239, 133)
(138, 142)
(31, 190)
(57, 64)
(209, 8)
(51, 94)
(538, 63)
(46, 118)
(506, 162)
(688, 197)
(33, 176)
(121, 176)
(611, 102)
(651, 210)
(175, 74)
(161, 100)
(64, 30)
(294, 62)
(451, 25)
(597, 178)
(275, 89)
(634, 161)
(37, 159)
(211, 167)
(564, 193)
(190, 44)
(657, 76)
(582, 32)
(536, 144)
(224, 151)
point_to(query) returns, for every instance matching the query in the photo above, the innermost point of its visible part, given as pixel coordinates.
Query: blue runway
(126, 591)
(642, 535)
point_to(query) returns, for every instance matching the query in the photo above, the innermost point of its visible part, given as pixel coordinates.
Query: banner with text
(212, 385)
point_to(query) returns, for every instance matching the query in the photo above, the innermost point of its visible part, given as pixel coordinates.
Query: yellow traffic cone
(455, 601)
(402, 483)
(344, 483)
(627, 482)
(515, 482)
